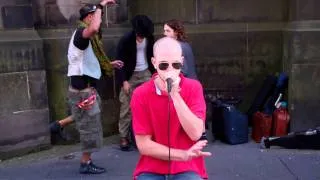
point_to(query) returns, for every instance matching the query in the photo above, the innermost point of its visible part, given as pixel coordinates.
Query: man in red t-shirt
(167, 126)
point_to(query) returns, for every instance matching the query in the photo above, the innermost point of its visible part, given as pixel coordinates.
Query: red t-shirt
(150, 117)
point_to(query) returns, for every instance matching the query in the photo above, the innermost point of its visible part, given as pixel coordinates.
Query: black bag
(261, 97)
(279, 90)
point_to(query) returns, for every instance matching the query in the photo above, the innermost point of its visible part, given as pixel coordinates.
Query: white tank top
(82, 62)
(141, 56)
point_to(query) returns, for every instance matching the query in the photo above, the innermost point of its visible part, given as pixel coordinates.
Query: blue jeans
(181, 176)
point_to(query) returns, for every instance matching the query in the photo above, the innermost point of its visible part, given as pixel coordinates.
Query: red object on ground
(281, 120)
(261, 126)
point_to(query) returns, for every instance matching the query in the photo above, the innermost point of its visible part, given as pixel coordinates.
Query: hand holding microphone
(172, 83)
(169, 84)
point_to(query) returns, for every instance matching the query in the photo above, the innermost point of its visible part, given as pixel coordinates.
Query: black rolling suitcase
(217, 125)
(235, 126)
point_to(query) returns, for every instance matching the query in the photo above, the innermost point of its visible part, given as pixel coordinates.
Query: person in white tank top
(84, 70)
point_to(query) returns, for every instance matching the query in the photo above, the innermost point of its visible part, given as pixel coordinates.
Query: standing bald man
(168, 125)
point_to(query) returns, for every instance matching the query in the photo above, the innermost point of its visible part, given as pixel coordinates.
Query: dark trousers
(301, 140)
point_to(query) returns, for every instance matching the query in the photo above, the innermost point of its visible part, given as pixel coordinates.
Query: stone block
(163, 10)
(23, 113)
(22, 2)
(264, 54)
(20, 51)
(304, 10)
(301, 54)
(303, 46)
(15, 17)
(219, 59)
(241, 11)
(2, 4)
(23, 132)
(66, 13)
(24, 90)
(38, 89)
(14, 92)
(61, 15)
(304, 102)
(117, 14)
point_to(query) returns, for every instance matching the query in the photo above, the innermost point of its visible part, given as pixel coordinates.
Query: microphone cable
(169, 144)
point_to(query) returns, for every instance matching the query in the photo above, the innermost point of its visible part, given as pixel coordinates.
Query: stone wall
(24, 112)
(301, 55)
(236, 44)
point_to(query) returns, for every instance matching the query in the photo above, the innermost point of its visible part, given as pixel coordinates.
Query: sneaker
(55, 128)
(90, 168)
(264, 143)
(124, 144)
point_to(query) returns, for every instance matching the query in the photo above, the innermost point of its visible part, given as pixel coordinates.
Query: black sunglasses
(164, 65)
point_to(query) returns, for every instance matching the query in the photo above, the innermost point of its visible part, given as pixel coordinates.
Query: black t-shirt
(79, 41)
(81, 82)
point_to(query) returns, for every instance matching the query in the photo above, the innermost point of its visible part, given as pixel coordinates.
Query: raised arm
(94, 26)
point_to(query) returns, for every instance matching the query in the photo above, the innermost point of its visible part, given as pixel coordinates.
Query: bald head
(165, 46)
(167, 51)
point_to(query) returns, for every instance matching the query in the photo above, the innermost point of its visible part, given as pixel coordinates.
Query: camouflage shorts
(88, 122)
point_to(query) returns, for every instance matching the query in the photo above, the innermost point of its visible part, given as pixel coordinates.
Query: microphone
(169, 84)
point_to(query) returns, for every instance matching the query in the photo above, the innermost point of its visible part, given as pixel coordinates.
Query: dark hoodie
(127, 47)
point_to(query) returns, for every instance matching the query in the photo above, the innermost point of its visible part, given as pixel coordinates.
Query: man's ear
(182, 59)
(153, 60)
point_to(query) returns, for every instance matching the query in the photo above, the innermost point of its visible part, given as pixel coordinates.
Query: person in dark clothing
(309, 139)
(135, 49)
